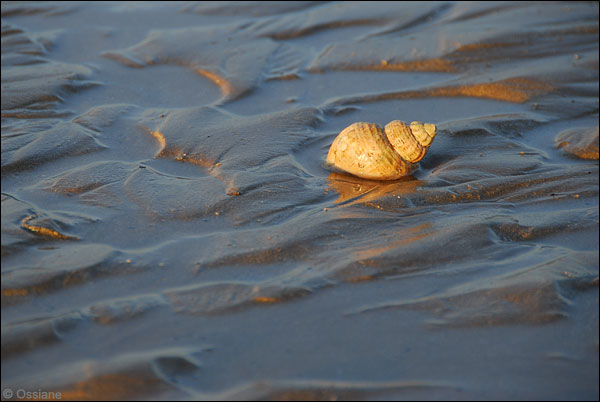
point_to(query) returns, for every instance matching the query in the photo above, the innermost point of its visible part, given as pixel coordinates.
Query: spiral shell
(365, 150)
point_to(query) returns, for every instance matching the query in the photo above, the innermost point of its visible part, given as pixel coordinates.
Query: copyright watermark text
(37, 395)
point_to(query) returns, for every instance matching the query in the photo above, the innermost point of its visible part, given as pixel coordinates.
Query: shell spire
(367, 151)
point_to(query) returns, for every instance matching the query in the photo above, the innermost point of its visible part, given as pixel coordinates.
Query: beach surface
(170, 229)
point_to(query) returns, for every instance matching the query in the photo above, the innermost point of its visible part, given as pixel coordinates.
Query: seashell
(367, 151)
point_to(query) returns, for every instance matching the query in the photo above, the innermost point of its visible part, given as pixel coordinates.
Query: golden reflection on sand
(401, 237)
(352, 189)
(160, 138)
(580, 142)
(516, 90)
(222, 83)
(436, 65)
(14, 292)
(44, 231)
(114, 387)
(470, 47)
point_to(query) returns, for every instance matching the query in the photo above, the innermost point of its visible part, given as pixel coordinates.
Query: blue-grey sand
(170, 229)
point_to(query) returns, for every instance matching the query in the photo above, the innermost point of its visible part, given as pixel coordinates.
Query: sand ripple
(200, 249)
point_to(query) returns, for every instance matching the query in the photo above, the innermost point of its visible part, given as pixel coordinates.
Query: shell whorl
(410, 142)
(365, 150)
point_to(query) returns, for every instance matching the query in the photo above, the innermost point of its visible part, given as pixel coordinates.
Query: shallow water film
(170, 229)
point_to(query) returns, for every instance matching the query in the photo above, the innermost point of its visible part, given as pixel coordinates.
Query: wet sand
(170, 229)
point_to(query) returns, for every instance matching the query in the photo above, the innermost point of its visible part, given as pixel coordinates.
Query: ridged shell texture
(367, 151)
